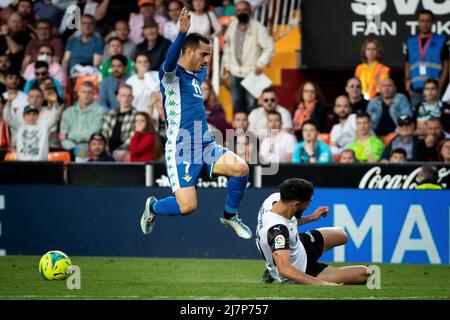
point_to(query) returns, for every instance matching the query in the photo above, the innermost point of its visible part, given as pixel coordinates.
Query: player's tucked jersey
(183, 106)
(275, 232)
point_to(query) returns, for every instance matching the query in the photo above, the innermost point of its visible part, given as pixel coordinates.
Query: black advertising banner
(333, 31)
(359, 176)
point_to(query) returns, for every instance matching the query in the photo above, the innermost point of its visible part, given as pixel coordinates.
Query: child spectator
(398, 156)
(32, 137)
(145, 144)
(347, 157)
(367, 147)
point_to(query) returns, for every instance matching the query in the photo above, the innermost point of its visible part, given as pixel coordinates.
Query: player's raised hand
(319, 213)
(185, 20)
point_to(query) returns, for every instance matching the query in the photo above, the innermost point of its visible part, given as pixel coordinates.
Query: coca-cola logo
(374, 179)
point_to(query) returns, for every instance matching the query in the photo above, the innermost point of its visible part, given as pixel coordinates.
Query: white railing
(280, 16)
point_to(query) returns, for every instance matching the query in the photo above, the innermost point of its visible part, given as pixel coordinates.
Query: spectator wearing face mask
(55, 70)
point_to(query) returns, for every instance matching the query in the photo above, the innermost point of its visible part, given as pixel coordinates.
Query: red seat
(63, 156)
(324, 137)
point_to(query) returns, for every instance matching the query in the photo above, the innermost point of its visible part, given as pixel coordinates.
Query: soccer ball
(53, 265)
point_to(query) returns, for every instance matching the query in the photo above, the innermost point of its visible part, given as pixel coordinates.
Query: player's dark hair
(193, 41)
(425, 11)
(121, 58)
(400, 151)
(296, 189)
(362, 114)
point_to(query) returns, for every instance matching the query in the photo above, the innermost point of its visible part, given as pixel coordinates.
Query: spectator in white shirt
(248, 49)
(14, 97)
(144, 83)
(171, 28)
(279, 145)
(203, 21)
(258, 117)
(32, 137)
(344, 132)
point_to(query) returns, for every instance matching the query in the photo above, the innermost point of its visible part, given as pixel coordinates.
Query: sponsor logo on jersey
(280, 241)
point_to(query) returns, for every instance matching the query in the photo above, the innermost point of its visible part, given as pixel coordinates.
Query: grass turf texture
(154, 278)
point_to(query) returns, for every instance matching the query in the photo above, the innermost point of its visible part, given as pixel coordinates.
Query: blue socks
(235, 192)
(166, 207)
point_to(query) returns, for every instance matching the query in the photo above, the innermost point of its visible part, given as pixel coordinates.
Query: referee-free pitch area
(155, 278)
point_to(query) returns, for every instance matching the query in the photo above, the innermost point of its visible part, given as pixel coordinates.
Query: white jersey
(275, 232)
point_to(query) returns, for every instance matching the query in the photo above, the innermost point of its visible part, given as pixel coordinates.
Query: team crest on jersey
(280, 241)
(187, 177)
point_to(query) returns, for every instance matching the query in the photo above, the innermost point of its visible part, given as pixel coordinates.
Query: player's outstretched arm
(285, 268)
(174, 51)
(316, 215)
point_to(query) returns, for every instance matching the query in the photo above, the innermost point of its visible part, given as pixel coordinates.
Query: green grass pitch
(155, 278)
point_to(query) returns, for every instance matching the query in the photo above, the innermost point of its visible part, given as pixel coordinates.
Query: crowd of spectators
(94, 92)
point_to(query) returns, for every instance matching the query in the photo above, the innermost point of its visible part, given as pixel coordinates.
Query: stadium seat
(336, 158)
(388, 138)
(11, 156)
(63, 156)
(324, 137)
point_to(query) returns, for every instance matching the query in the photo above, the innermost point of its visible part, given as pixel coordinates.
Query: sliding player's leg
(334, 237)
(237, 170)
(345, 275)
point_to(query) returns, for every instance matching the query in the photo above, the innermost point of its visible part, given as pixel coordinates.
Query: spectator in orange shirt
(371, 71)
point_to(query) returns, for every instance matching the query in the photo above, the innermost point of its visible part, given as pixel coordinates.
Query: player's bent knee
(188, 207)
(241, 170)
(344, 236)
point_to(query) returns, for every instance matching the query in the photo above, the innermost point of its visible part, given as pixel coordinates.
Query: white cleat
(148, 218)
(239, 227)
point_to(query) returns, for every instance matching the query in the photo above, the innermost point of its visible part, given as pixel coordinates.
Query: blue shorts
(185, 166)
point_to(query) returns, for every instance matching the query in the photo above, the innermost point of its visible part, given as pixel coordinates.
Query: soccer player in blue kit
(186, 153)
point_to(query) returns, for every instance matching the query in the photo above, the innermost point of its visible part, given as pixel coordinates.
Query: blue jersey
(186, 119)
(182, 99)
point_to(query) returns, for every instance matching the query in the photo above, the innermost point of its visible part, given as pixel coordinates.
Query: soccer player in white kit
(291, 256)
